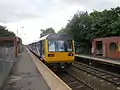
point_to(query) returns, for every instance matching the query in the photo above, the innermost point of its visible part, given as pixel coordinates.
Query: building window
(113, 46)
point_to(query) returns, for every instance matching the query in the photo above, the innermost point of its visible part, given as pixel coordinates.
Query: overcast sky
(34, 15)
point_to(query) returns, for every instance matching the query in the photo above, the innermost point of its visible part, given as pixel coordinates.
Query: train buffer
(29, 73)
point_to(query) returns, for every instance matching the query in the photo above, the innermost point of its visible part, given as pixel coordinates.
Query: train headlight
(70, 54)
(51, 55)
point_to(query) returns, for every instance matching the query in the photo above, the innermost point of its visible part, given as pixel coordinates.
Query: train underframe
(60, 66)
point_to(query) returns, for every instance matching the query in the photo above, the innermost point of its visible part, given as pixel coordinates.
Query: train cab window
(68, 44)
(60, 46)
(52, 46)
(113, 46)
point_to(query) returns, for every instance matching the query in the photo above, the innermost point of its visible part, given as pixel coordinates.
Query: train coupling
(62, 65)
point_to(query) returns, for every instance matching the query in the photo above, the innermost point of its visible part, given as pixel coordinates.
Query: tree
(106, 23)
(47, 31)
(86, 26)
(80, 27)
(5, 33)
(63, 31)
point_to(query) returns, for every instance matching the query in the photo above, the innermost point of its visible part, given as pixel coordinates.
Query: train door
(41, 43)
(40, 48)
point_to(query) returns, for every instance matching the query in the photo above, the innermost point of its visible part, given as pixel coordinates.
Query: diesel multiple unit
(55, 50)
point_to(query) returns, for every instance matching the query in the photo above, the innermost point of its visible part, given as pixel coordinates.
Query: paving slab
(25, 76)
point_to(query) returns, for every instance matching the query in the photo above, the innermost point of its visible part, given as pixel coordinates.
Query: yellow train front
(56, 50)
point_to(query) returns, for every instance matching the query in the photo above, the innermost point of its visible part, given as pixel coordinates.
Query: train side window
(113, 46)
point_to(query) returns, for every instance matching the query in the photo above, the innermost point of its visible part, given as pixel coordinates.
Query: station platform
(25, 76)
(28, 73)
(101, 59)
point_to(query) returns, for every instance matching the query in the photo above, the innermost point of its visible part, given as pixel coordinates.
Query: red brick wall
(106, 41)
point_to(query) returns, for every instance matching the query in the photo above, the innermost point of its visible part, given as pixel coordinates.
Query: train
(55, 50)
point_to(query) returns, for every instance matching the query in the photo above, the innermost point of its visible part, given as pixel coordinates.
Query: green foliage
(106, 23)
(47, 31)
(63, 31)
(5, 33)
(84, 27)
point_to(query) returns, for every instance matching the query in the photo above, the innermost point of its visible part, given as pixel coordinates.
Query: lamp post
(17, 31)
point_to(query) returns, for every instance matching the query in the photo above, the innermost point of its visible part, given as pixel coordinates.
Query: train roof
(56, 36)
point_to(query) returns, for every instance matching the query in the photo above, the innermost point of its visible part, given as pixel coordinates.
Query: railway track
(74, 82)
(111, 80)
(84, 77)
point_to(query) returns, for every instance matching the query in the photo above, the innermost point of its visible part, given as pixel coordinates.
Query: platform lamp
(16, 52)
(17, 30)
